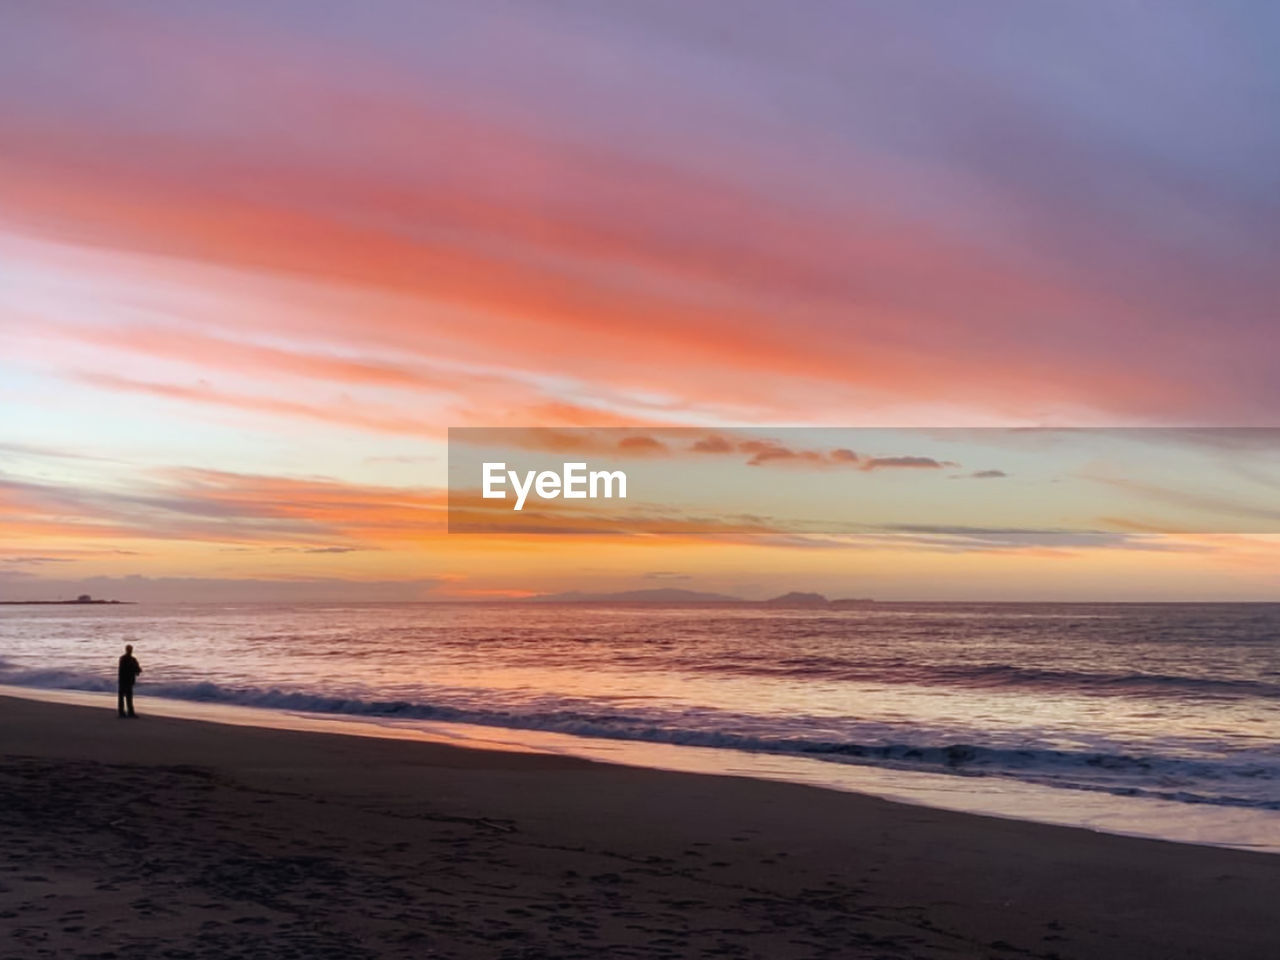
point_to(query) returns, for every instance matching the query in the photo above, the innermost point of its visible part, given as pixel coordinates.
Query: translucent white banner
(916, 481)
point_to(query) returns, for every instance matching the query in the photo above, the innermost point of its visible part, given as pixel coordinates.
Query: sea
(1156, 720)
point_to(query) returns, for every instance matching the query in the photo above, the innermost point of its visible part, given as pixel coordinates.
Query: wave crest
(1169, 778)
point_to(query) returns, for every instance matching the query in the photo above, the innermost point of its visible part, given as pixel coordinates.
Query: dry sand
(178, 838)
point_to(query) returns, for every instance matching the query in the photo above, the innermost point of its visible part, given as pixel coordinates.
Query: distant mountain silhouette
(657, 595)
(795, 599)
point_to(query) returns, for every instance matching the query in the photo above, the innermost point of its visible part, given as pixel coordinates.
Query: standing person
(129, 670)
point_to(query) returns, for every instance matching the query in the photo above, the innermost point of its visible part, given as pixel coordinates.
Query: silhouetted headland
(669, 595)
(82, 600)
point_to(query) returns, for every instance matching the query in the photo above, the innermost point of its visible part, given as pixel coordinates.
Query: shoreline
(180, 834)
(1239, 828)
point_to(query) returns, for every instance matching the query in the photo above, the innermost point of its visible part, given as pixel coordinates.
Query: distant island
(816, 601)
(83, 600)
(670, 595)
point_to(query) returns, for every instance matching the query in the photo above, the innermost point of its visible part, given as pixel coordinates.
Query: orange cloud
(907, 463)
(668, 441)
(770, 306)
(222, 507)
(336, 414)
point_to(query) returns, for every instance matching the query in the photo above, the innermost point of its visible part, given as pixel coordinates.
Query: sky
(256, 259)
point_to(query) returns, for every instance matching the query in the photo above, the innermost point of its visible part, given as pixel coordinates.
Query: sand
(179, 838)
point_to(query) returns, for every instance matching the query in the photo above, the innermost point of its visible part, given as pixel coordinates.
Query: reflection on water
(1162, 717)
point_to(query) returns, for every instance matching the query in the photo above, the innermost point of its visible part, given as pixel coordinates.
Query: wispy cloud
(620, 257)
(240, 228)
(305, 515)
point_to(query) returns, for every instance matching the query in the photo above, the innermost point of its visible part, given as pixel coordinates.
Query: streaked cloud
(275, 241)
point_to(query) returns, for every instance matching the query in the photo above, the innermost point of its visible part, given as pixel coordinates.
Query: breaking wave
(1222, 782)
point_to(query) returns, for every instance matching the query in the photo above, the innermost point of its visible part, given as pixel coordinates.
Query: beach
(166, 837)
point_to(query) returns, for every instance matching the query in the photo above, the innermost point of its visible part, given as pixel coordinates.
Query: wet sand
(178, 838)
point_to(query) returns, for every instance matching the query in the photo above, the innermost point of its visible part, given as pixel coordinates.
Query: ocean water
(1162, 719)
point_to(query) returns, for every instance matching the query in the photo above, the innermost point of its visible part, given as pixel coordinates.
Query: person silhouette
(129, 670)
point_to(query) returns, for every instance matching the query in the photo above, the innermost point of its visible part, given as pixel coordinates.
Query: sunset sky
(255, 259)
